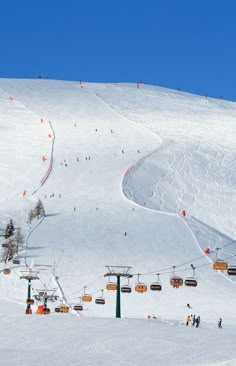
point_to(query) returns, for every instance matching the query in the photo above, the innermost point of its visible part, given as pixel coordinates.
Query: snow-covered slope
(120, 159)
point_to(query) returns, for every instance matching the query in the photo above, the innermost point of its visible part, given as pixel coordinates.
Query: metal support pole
(28, 297)
(45, 302)
(118, 272)
(118, 312)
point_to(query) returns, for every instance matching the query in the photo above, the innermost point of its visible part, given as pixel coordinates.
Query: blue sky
(184, 44)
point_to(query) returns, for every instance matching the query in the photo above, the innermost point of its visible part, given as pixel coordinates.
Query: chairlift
(111, 286)
(156, 286)
(140, 287)
(176, 281)
(78, 307)
(231, 271)
(6, 271)
(191, 281)
(64, 308)
(86, 297)
(46, 311)
(126, 289)
(30, 302)
(16, 261)
(100, 300)
(219, 264)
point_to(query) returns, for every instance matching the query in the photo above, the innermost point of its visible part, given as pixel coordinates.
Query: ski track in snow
(163, 170)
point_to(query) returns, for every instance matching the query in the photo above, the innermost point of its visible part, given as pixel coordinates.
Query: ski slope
(121, 159)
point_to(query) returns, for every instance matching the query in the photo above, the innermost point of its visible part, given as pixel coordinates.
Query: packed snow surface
(128, 176)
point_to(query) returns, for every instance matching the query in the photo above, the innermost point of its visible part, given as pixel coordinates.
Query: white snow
(144, 155)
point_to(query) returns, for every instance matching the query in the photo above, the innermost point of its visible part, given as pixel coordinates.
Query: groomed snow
(121, 159)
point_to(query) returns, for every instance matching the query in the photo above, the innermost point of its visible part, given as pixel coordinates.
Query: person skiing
(188, 318)
(188, 305)
(220, 323)
(197, 322)
(193, 320)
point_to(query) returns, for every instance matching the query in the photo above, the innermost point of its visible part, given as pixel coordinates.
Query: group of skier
(195, 321)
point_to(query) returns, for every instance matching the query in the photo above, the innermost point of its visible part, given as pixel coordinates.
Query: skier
(197, 322)
(125, 233)
(188, 318)
(188, 305)
(193, 320)
(220, 323)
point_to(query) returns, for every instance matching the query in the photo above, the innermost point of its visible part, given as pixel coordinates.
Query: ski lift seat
(155, 286)
(46, 311)
(64, 309)
(100, 301)
(111, 286)
(30, 302)
(86, 298)
(190, 282)
(141, 287)
(126, 289)
(78, 307)
(6, 271)
(16, 261)
(231, 271)
(176, 281)
(220, 265)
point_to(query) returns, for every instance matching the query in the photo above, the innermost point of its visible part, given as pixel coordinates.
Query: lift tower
(118, 272)
(29, 276)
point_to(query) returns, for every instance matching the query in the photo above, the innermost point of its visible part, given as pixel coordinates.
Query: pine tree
(39, 209)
